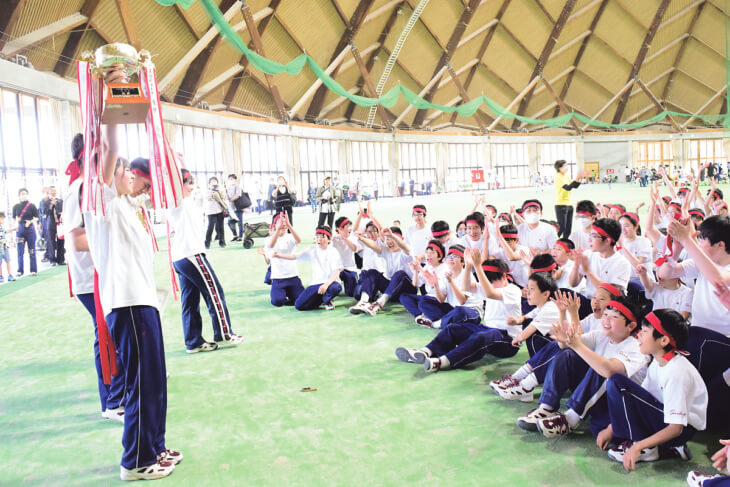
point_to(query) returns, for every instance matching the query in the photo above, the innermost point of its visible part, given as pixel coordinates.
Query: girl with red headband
(517, 256)
(197, 276)
(346, 244)
(285, 283)
(667, 408)
(583, 366)
(459, 344)
(535, 234)
(326, 269)
(634, 247)
(586, 214)
(602, 263)
(432, 305)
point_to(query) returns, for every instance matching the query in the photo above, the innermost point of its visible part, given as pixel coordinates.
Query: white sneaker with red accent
(432, 365)
(116, 414)
(697, 479)
(150, 472)
(373, 309)
(554, 426)
(423, 321)
(172, 456)
(529, 421)
(501, 382)
(514, 391)
(646, 455)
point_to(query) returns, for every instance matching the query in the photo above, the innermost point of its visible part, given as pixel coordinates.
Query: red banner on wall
(477, 176)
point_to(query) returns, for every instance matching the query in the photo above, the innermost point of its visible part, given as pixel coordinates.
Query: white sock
(522, 372)
(436, 324)
(426, 350)
(383, 300)
(529, 382)
(444, 362)
(364, 298)
(421, 316)
(572, 417)
(545, 406)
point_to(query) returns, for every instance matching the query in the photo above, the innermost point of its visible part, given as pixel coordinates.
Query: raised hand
(722, 291)
(431, 278)
(560, 300)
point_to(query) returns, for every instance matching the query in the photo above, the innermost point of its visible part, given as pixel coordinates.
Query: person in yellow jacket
(563, 186)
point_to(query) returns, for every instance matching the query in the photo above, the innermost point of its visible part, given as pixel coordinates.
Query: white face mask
(584, 222)
(532, 218)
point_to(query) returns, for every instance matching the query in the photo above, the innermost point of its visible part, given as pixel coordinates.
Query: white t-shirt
(451, 242)
(590, 323)
(497, 311)
(641, 248)
(519, 268)
(581, 239)
(346, 254)
(187, 221)
(282, 268)
(440, 271)
(540, 238)
(80, 264)
(122, 253)
(707, 311)
(370, 258)
(324, 262)
(417, 239)
(681, 389)
(474, 299)
(564, 281)
(626, 351)
(678, 299)
(544, 317)
(614, 270)
(468, 243)
(396, 261)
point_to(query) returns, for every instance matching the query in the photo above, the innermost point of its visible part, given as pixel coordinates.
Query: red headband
(586, 213)
(493, 268)
(683, 190)
(510, 235)
(441, 233)
(473, 221)
(323, 232)
(603, 233)
(716, 195)
(344, 222)
(436, 249)
(549, 268)
(623, 310)
(528, 205)
(657, 324)
(140, 173)
(564, 245)
(612, 290)
(419, 210)
(696, 213)
(675, 204)
(722, 205)
(456, 252)
(633, 216)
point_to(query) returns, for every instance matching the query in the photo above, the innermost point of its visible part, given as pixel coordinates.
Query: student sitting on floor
(540, 289)
(285, 283)
(326, 268)
(435, 284)
(517, 256)
(586, 213)
(667, 293)
(667, 408)
(418, 234)
(345, 242)
(587, 360)
(397, 256)
(537, 235)
(440, 231)
(462, 343)
(475, 237)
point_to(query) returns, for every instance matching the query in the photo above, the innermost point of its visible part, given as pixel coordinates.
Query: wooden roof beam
(456, 34)
(130, 27)
(337, 102)
(545, 11)
(682, 48)
(351, 28)
(9, 15)
(656, 102)
(514, 102)
(681, 13)
(71, 48)
(44, 33)
(628, 85)
(431, 83)
(560, 102)
(310, 91)
(544, 56)
(289, 31)
(478, 32)
(184, 16)
(648, 38)
(464, 95)
(437, 113)
(262, 25)
(428, 28)
(369, 84)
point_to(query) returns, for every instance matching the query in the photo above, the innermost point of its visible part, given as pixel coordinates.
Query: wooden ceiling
(617, 61)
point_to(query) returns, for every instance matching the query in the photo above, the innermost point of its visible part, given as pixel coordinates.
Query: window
(418, 164)
(703, 151)
(654, 155)
(549, 153)
(369, 168)
(511, 164)
(317, 160)
(201, 149)
(463, 159)
(263, 159)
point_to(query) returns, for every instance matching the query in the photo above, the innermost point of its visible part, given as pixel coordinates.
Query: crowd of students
(633, 327)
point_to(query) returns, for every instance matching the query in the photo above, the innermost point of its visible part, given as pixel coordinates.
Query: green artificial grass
(239, 416)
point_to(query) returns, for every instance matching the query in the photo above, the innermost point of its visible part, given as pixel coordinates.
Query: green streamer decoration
(390, 98)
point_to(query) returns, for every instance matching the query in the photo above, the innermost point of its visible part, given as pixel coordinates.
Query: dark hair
(559, 164)
(439, 226)
(716, 229)
(639, 310)
(397, 230)
(567, 242)
(499, 264)
(674, 324)
(21, 190)
(232, 176)
(718, 191)
(458, 247)
(478, 217)
(527, 202)
(371, 224)
(185, 174)
(541, 261)
(611, 227)
(698, 210)
(461, 222)
(544, 281)
(492, 207)
(2, 214)
(141, 164)
(325, 228)
(587, 206)
(212, 178)
(77, 145)
(620, 207)
(505, 215)
(633, 219)
(339, 221)
(422, 207)
(439, 246)
(508, 229)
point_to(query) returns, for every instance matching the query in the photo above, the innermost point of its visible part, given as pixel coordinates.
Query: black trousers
(217, 222)
(564, 214)
(330, 217)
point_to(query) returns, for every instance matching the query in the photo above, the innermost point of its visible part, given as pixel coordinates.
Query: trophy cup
(123, 102)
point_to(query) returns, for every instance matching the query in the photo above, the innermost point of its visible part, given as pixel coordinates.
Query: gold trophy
(123, 102)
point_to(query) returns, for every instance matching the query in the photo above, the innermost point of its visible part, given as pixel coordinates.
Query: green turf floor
(238, 414)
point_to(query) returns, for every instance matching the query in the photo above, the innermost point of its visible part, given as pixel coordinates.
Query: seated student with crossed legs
(285, 283)
(433, 273)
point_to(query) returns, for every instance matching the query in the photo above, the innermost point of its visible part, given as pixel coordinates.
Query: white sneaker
(150, 472)
(373, 309)
(423, 321)
(646, 455)
(697, 479)
(410, 355)
(205, 347)
(529, 421)
(501, 382)
(117, 414)
(515, 392)
(172, 456)
(432, 365)
(329, 306)
(232, 341)
(359, 308)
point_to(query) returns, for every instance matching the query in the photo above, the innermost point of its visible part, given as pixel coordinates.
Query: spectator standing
(270, 195)
(54, 245)
(43, 219)
(26, 216)
(216, 209)
(235, 196)
(283, 198)
(327, 198)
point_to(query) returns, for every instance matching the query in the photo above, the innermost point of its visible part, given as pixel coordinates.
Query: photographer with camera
(327, 196)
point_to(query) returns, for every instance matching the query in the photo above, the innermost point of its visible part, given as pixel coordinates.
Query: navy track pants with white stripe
(197, 278)
(137, 334)
(463, 343)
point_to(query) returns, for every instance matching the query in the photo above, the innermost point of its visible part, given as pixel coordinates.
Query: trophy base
(125, 113)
